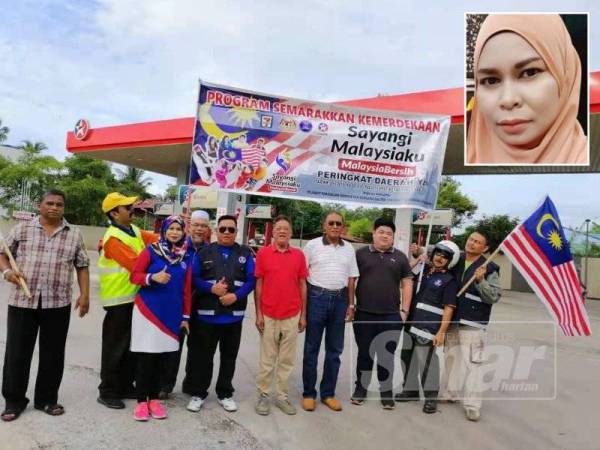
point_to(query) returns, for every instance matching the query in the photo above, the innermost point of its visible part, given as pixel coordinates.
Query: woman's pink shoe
(157, 410)
(141, 413)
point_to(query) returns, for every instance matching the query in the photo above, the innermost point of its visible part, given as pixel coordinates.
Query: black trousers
(170, 367)
(21, 333)
(420, 361)
(147, 374)
(202, 345)
(376, 335)
(117, 370)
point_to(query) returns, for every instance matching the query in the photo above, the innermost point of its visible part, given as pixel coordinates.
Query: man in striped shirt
(47, 251)
(332, 271)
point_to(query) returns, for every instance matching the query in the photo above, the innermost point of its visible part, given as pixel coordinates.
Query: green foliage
(306, 216)
(450, 197)
(3, 132)
(42, 172)
(86, 183)
(171, 193)
(362, 228)
(497, 227)
(134, 181)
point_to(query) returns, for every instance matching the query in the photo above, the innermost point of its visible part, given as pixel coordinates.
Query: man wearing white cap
(199, 236)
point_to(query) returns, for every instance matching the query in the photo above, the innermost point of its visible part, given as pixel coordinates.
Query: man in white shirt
(332, 272)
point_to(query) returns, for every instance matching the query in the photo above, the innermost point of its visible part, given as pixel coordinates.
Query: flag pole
(426, 245)
(492, 256)
(14, 267)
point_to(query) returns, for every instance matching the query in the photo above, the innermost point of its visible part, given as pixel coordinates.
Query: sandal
(10, 414)
(52, 410)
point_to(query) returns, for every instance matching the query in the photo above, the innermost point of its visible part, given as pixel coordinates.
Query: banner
(259, 144)
(200, 197)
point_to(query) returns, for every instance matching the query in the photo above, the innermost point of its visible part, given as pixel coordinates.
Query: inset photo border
(526, 89)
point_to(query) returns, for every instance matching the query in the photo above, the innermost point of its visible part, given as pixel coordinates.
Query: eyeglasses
(227, 230)
(334, 223)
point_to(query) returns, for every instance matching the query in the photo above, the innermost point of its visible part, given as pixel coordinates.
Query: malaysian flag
(253, 155)
(539, 250)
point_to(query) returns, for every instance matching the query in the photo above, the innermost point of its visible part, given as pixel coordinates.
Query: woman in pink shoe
(161, 309)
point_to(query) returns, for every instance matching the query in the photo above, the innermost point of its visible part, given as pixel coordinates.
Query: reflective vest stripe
(111, 270)
(430, 308)
(421, 333)
(115, 287)
(472, 324)
(473, 297)
(211, 312)
(235, 283)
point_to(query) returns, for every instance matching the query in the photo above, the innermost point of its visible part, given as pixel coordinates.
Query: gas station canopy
(164, 146)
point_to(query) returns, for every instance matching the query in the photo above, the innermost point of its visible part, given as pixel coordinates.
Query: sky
(126, 61)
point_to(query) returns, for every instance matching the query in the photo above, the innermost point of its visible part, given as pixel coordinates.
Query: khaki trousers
(464, 357)
(277, 355)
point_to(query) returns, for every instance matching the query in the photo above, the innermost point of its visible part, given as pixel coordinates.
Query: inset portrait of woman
(527, 82)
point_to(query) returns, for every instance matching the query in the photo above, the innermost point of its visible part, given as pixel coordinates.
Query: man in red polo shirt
(280, 299)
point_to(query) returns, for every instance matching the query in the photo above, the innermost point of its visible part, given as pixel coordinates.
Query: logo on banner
(266, 121)
(287, 123)
(323, 127)
(81, 130)
(305, 126)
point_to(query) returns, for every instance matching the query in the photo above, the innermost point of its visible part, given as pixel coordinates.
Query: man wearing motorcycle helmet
(429, 319)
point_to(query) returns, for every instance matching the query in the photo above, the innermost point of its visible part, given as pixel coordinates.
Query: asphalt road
(543, 393)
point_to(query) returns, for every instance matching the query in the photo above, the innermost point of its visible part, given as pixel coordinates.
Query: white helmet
(450, 249)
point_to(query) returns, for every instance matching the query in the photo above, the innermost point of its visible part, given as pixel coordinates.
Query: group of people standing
(158, 290)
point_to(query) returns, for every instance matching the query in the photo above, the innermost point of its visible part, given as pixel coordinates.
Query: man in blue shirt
(223, 277)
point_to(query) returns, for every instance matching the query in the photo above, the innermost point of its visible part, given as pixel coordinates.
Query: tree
(3, 132)
(31, 149)
(449, 196)
(135, 181)
(305, 215)
(39, 172)
(497, 227)
(171, 192)
(362, 228)
(86, 183)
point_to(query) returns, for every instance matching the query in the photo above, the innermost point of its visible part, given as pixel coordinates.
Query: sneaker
(228, 404)
(141, 413)
(472, 414)
(157, 410)
(285, 406)
(263, 407)
(195, 404)
(407, 396)
(359, 396)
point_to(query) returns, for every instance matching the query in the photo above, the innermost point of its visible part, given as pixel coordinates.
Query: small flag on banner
(539, 250)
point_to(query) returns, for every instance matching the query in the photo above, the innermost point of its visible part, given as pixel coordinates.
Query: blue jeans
(326, 313)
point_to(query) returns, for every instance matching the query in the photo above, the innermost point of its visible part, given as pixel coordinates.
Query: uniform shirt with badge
(378, 289)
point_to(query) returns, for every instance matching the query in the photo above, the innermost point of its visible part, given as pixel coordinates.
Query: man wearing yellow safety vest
(121, 245)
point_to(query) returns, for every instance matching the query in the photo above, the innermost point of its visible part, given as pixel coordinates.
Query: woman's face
(516, 94)
(174, 233)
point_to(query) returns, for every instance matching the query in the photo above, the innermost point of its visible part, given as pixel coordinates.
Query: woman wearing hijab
(527, 83)
(161, 309)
